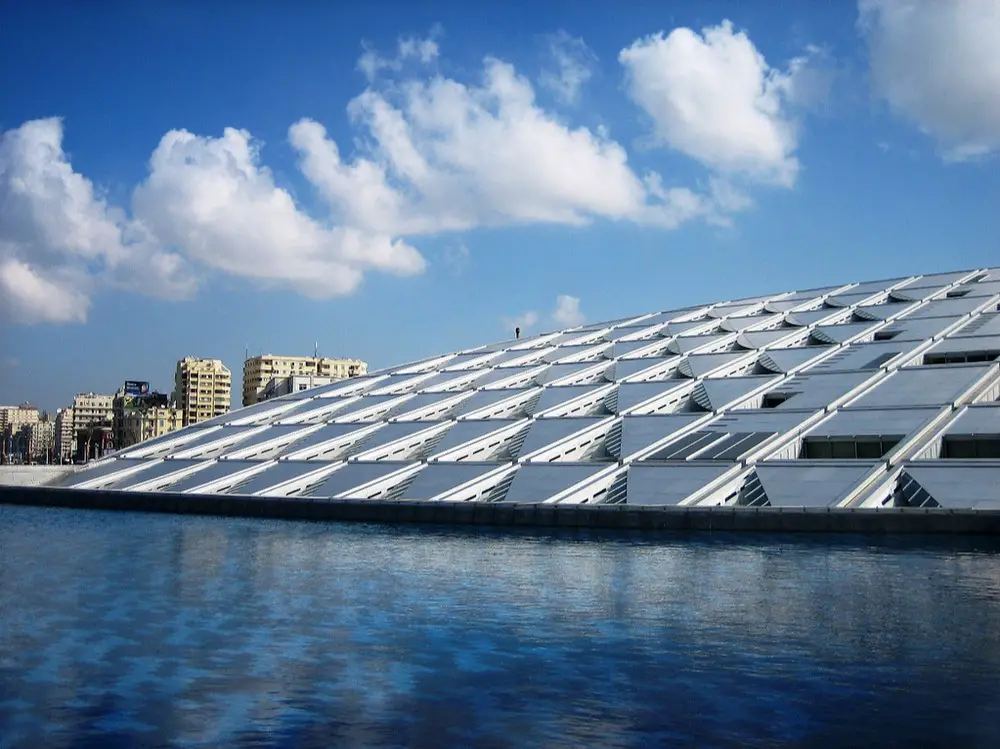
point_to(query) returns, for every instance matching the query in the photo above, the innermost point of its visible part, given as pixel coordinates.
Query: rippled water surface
(143, 630)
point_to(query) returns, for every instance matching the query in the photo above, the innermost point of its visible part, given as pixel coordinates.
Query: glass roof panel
(289, 433)
(438, 478)
(185, 438)
(103, 470)
(274, 474)
(539, 482)
(468, 431)
(544, 432)
(639, 432)
(650, 484)
(336, 433)
(160, 470)
(350, 477)
(211, 472)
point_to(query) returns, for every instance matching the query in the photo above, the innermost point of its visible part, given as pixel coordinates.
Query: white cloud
(936, 64)
(524, 321)
(449, 156)
(59, 240)
(570, 64)
(10, 363)
(422, 49)
(434, 155)
(713, 97)
(567, 313)
(212, 197)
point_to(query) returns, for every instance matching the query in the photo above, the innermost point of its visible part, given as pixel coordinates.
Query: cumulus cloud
(570, 64)
(59, 240)
(448, 156)
(433, 155)
(212, 197)
(567, 313)
(713, 97)
(936, 65)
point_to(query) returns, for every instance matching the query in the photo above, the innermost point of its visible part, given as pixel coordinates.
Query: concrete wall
(625, 517)
(31, 475)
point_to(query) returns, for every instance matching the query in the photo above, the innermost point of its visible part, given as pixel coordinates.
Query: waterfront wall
(625, 517)
(31, 475)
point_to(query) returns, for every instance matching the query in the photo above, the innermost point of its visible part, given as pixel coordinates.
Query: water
(142, 630)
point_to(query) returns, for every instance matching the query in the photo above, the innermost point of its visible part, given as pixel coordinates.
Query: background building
(92, 425)
(65, 442)
(15, 432)
(284, 385)
(42, 441)
(258, 371)
(203, 388)
(140, 414)
(143, 424)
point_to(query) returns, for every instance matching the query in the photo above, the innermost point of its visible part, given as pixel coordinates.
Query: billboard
(134, 388)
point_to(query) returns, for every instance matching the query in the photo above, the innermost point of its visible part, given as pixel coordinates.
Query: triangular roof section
(806, 485)
(813, 316)
(881, 311)
(556, 396)
(485, 398)
(689, 343)
(537, 482)
(628, 367)
(639, 432)
(785, 360)
(622, 348)
(544, 432)
(660, 485)
(834, 334)
(951, 486)
(699, 365)
(755, 339)
(633, 393)
(676, 328)
(470, 431)
(723, 391)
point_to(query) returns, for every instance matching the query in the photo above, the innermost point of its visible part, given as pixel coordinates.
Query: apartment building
(12, 418)
(92, 419)
(139, 425)
(280, 386)
(91, 409)
(258, 371)
(65, 441)
(42, 441)
(203, 388)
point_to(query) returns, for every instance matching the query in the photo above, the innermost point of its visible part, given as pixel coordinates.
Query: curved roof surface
(863, 395)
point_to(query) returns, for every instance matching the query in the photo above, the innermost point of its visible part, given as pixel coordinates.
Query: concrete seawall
(32, 475)
(625, 517)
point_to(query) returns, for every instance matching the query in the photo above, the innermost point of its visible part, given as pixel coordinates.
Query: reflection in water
(123, 630)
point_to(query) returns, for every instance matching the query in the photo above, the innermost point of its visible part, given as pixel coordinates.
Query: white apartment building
(91, 409)
(42, 441)
(258, 371)
(203, 388)
(65, 440)
(92, 417)
(284, 385)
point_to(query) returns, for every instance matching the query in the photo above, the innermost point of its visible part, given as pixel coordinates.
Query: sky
(391, 181)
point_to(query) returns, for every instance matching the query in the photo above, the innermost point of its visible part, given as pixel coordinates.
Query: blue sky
(400, 180)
